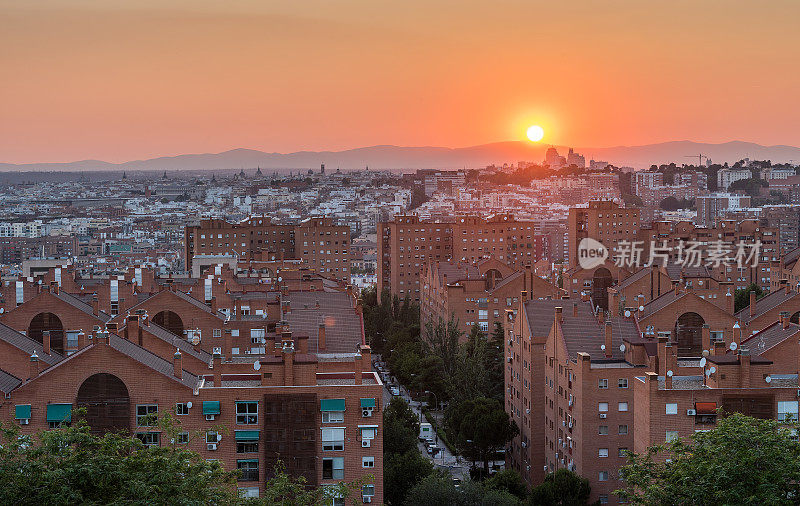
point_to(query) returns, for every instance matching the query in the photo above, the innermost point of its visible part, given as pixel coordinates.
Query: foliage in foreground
(743, 460)
(561, 488)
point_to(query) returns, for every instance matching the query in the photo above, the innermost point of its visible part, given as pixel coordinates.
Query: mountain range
(410, 158)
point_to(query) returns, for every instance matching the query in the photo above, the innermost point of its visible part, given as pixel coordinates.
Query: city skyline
(134, 81)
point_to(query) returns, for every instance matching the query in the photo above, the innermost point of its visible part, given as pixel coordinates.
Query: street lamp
(435, 398)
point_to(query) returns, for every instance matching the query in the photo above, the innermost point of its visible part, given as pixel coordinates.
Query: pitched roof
(8, 382)
(636, 276)
(678, 271)
(343, 328)
(79, 304)
(769, 337)
(151, 360)
(791, 257)
(185, 297)
(176, 341)
(765, 304)
(28, 345)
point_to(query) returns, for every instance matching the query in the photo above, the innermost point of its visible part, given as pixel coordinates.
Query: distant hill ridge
(409, 158)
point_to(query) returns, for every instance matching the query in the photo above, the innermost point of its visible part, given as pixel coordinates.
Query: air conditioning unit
(210, 418)
(365, 443)
(570, 424)
(24, 421)
(602, 415)
(366, 412)
(527, 411)
(509, 360)
(691, 412)
(366, 499)
(211, 447)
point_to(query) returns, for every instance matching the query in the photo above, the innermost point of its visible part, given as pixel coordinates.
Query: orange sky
(120, 80)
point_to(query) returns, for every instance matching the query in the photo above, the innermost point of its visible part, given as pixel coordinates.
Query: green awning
(246, 461)
(368, 403)
(247, 435)
(23, 412)
(59, 412)
(210, 407)
(331, 404)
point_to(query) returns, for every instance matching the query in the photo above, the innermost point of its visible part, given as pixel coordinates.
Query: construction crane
(699, 157)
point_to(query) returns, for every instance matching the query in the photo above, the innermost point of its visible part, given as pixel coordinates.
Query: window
(602, 407)
(602, 452)
(368, 462)
(333, 439)
(622, 452)
(623, 429)
(603, 383)
(248, 469)
(622, 383)
(149, 438)
(146, 414)
(181, 408)
(333, 468)
(672, 408)
(602, 476)
(248, 492)
(671, 435)
(368, 490)
(246, 412)
(603, 498)
(212, 437)
(787, 411)
(183, 438)
(217, 333)
(623, 406)
(603, 430)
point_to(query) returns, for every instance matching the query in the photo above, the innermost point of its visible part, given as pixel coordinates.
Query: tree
(479, 428)
(741, 297)
(743, 460)
(442, 340)
(400, 427)
(438, 488)
(562, 488)
(509, 481)
(401, 472)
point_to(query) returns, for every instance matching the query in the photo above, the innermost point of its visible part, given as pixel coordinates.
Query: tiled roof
(636, 276)
(582, 333)
(456, 271)
(343, 330)
(327, 300)
(8, 382)
(765, 304)
(791, 257)
(191, 300)
(767, 338)
(79, 304)
(660, 303)
(28, 345)
(176, 341)
(151, 360)
(677, 271)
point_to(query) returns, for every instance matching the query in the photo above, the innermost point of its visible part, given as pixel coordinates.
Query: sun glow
(535, 133)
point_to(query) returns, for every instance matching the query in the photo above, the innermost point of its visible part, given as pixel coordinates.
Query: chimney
(111, 327)
(784, 285)
(523, 295)
(302, 344)
(54, 287)
(101, 337)
(558, 314)
(177, 364)
(95, 305)
(227, 337)
(46, 342)
(719, 348)
(81, 340)
(784, 319)
(729, 301)
(34, 367)
(216, 362)
(662, 355)
(358, 367)
(288, 363)
(574, 309)
(668, 365)
(744, 368)
(321, 344)
(609, 350)
(132, 327)
(585, 297)
(706, 337)
(601, 316)
(752, 304)
(214, 303)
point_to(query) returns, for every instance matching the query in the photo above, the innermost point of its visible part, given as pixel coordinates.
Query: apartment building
(407, 243)
(324, 245)
(603, 221)
(585, 387)
(477, 294)
(303, 393)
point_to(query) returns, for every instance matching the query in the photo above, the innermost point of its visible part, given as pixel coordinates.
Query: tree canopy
(479, 428)
(743, 460)
(741, 297)
(561, 488)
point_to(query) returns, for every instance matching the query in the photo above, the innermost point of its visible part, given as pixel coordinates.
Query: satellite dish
(733, 346)
(257, 365)
(280, 278)
(603, 347)
(641, 308)
(2, 310)
(708, 372)
(189, 404)
(670, 373)
(622, 348)
(627, 313)
(768, 379)
(703, 362)
(713, 369)
(219, 438)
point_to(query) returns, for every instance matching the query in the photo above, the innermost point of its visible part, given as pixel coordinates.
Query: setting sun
(535, 133)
